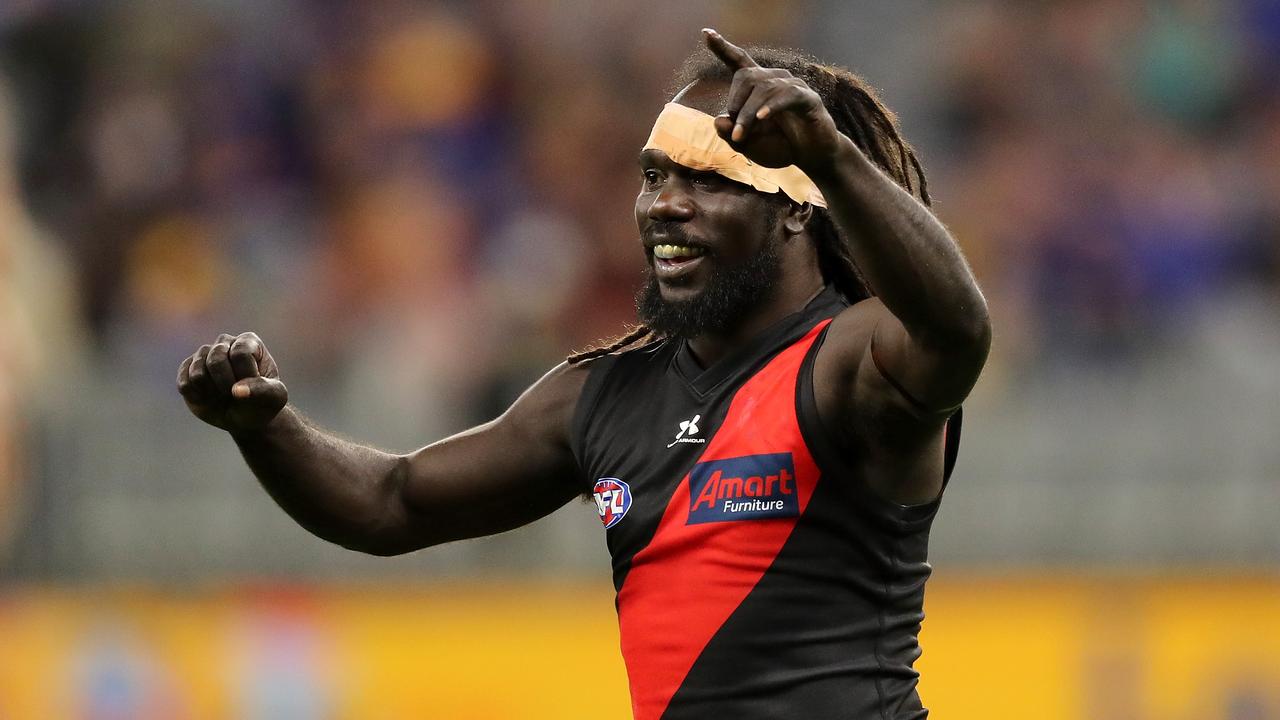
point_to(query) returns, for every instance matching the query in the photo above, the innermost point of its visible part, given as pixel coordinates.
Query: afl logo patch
(613, 499)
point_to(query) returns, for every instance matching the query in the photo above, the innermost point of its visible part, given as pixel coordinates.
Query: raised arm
(930, 332)
(498, 476)
(932, 335)
(893, 369)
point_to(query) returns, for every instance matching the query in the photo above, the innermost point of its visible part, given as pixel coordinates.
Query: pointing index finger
(732, 55)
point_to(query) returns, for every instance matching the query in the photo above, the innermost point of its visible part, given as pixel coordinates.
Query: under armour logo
(688, 428)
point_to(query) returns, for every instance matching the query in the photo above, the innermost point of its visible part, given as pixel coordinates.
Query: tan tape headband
(689, 138)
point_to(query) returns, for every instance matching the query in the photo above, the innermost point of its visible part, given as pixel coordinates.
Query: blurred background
(423, 206)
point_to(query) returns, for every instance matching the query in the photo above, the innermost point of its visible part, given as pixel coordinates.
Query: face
(711, 243)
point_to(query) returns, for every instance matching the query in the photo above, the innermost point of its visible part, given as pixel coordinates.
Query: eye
(705, 179)
(651, 177)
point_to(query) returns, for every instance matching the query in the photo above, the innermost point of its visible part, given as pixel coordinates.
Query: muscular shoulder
(849, 387)
(847, 343)
(898, 445)
(546, 408)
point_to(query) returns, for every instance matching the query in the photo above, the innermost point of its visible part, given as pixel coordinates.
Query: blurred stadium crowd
(422, 206)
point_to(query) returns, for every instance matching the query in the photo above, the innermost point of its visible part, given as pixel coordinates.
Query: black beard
(732, 293)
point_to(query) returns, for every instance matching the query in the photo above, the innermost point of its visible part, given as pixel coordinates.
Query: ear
(797, 218)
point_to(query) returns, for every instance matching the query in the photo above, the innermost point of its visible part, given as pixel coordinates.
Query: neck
(709, 348)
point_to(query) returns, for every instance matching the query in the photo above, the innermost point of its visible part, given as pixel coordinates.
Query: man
(766, 452)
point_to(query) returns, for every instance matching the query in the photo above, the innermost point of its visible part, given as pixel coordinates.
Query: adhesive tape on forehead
(689, 138)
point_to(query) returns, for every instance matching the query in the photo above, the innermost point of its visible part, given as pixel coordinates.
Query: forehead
(708, 96)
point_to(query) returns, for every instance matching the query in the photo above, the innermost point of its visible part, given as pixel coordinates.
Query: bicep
(495, 477)
(931, 376)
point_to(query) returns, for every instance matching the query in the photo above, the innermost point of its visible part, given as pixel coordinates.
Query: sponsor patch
(745, 488)
(613, 499)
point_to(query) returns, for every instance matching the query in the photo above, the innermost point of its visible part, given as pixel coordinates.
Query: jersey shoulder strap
(601, 371)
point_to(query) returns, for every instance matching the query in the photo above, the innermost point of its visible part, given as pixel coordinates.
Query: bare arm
(498, 476)
(894, 368)
(933, 332)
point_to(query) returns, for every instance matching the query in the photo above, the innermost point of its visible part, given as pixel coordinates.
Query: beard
(731, 294)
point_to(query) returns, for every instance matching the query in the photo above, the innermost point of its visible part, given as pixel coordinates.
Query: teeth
(670, 252)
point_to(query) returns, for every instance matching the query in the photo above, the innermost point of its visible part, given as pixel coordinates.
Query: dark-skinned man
(766, 452)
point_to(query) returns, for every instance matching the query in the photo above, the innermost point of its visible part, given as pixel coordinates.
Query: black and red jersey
(757, 574)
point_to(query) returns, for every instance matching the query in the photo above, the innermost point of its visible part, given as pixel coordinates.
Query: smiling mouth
(672, 261)
(677, 253)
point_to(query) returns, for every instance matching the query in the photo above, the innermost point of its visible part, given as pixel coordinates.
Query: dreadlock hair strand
(638, 333)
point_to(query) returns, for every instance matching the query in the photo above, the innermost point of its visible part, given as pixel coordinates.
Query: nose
(671, 203)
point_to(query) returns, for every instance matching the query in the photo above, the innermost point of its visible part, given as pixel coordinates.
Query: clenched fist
(233, 384)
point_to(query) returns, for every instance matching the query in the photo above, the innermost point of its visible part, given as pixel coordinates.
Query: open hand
(233, 384)
(772, 117)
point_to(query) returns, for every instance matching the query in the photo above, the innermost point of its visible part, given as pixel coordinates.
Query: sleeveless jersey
(757, 575)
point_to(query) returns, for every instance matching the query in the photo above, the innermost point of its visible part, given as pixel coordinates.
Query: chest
(664, 455)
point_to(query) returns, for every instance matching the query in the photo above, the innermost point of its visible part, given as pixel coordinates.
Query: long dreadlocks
(860, 115)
